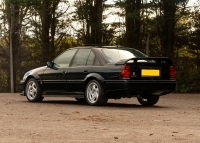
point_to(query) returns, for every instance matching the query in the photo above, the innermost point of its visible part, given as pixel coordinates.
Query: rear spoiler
(154, 59)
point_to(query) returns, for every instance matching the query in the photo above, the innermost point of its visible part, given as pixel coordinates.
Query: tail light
(172, 72)
(125, 72)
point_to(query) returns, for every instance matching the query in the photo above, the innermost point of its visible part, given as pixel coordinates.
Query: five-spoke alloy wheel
(33, 91)
(94, 93)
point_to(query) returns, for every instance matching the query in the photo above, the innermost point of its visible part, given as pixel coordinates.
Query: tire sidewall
(38, 96)
(101, 97)
(151, 100)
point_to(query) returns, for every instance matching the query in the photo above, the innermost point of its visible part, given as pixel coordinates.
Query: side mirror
(52, 65)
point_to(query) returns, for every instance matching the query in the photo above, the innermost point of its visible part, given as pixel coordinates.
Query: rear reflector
(125, 72)
(172, 72)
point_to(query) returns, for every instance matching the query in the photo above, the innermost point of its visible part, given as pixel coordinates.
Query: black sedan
(95, 74)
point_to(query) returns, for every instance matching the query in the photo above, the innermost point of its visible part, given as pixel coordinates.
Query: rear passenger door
(78, 70)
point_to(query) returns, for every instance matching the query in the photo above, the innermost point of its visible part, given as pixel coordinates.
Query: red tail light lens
(125, 72)
(172, 72)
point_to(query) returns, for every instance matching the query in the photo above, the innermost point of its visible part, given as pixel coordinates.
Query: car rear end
(138, 75)
(154, 76)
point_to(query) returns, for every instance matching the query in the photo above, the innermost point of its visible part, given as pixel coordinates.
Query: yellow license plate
(150, 73)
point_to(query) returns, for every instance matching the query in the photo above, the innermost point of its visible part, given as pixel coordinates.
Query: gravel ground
(175, 118)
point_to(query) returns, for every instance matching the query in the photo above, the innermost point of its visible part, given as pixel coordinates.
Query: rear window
(114, 55)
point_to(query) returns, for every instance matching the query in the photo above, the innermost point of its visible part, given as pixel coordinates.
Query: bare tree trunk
(48, 18)
(12, 12)
(94, 22)
(96, 33)
(45, 36)
(53, 28)
(168, 27)
(133, 23)
(147, 44)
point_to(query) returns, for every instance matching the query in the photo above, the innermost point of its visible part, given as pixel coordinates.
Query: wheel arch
(93, 76)
(37, 78)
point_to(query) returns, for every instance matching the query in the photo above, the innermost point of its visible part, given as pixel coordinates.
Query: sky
(191, 2)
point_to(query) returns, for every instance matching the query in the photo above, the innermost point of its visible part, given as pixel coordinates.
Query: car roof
(101, 47)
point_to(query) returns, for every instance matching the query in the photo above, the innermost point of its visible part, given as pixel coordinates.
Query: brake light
(125, 72)
(172, 72)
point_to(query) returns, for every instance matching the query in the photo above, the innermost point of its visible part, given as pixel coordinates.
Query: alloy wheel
(31, 90)
(92, 92)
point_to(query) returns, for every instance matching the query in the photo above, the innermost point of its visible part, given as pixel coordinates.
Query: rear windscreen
(114, 55)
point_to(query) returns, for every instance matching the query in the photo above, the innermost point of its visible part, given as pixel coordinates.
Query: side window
(64, 59)
(81, 57)
(90, 60)
(96, 62)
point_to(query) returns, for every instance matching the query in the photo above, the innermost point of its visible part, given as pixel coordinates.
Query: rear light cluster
(172, 72)
(125, 72)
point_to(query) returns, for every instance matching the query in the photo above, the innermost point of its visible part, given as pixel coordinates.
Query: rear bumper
(153, 87)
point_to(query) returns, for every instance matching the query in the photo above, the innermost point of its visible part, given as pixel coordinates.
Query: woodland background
(41, 29)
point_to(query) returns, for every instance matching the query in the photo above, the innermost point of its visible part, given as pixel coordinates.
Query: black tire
(148, 100)
(33, 91)
(94, 94)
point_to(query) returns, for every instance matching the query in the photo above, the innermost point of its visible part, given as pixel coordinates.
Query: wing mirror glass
(52, 65)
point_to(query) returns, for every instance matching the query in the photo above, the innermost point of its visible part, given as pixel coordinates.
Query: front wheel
(94, 93)
(33, 91)
(148, 100)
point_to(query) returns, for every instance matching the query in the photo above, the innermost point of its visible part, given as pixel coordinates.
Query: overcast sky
(191, 2)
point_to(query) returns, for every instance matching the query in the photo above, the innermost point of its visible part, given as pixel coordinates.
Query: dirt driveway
(176, 118)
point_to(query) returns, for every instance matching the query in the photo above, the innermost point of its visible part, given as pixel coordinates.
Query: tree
(168, 24)
(133, 23)
(18, 10)
(89, 13)
(15, 11)
(49, 21)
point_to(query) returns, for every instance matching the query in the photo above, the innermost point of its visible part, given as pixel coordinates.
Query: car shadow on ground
(108, 105)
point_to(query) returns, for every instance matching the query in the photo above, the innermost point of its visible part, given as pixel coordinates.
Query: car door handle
(85, 71)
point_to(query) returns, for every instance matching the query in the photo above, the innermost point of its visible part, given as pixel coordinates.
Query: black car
(95, 74)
